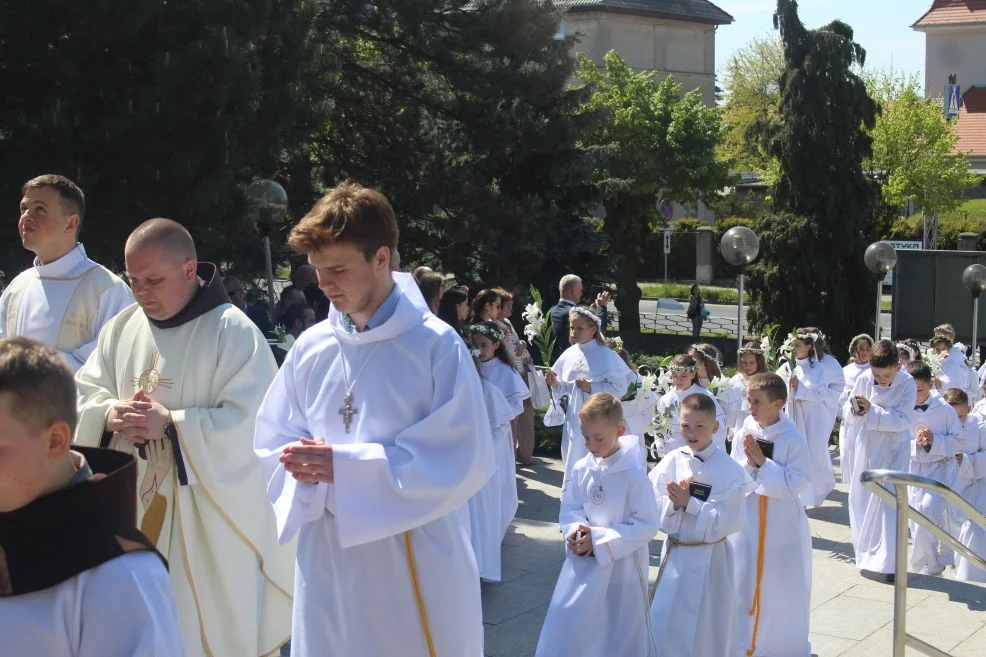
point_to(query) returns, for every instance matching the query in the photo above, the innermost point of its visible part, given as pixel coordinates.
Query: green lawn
(710, 293)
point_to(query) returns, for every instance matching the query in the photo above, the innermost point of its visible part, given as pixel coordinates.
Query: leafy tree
(464, 117)
(653, 142)
(823, 197)
(913, 147)
(156, 109)
(752, 87)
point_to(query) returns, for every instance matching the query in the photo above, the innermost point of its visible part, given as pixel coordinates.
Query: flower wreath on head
(944, 331)
(942, 337)
(494, 334)
(753, 351)
(710, 355)
(682, 369)
(857, 338)
(813, 336)
(582, 311)
(904, 347)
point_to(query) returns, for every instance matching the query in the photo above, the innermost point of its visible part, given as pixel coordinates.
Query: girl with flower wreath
(955, 371)
(815, 386)
(751, 361)
(496, 367)
(585, 368)
(860, 348)
(684, 378)
(523, 426)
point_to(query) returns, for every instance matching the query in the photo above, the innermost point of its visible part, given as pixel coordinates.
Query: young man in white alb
(65, 298)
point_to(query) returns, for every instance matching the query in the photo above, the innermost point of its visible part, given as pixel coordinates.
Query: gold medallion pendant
(150, 380)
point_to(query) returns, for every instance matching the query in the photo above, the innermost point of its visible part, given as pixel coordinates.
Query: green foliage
(913, 147)
(752, 89)
(820, 140)
(543, 339)
(156, 109)
(653, 140)
(462, 113)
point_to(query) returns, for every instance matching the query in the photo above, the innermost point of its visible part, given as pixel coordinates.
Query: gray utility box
(928, 291)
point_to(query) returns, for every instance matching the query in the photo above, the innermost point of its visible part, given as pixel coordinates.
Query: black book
(699, 491)
(766, 447)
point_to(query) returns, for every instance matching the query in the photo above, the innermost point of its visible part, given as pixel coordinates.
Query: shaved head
(165, 234)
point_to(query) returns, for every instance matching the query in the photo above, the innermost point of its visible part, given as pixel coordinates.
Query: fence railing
(677, 323)
(875, 480)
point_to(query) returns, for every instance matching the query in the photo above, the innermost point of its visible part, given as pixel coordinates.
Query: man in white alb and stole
(374, 436)
(65, 298)
(176, 379)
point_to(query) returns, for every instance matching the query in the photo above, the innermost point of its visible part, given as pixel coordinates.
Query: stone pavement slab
(851, 616)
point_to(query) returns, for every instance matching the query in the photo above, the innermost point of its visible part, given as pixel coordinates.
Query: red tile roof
(971, 125)
(953, 12)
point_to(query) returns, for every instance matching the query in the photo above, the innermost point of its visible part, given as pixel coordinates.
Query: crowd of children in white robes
(735, 574)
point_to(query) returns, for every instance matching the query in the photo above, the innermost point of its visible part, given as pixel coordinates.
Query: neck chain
(348, 411)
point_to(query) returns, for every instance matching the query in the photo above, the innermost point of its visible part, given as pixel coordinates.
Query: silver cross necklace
(348, 411)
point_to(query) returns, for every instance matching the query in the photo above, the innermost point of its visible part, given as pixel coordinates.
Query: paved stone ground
(851, 616)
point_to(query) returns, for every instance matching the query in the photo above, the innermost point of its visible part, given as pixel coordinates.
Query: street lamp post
(880, 258)
(740, 247)
(268, 203)
(974, 278)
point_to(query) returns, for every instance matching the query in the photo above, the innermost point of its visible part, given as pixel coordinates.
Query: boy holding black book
(773, 551)
(701, 494)
(936, 438)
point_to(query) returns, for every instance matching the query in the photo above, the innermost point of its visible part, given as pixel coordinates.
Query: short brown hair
(40, 382)
(919, 371)
(956, 397)
(505, 297)
(350, 213)
(884, 354)
(770, 383)
(602, 406)
(699, 402)
(69, 193)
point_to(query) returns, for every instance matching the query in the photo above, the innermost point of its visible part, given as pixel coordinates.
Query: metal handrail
(875, 480)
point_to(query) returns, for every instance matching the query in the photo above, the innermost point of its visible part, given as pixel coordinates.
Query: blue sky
(882, 27)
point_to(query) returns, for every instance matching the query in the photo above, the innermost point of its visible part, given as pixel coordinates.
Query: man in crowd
(570, 293)
(258, 315)
(177, 379)
(65, 298)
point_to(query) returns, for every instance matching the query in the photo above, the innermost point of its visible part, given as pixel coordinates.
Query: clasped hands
(310, 462)
(925, 437)
(580, 541)
(138, 419)
(752, 450)
(679, 493)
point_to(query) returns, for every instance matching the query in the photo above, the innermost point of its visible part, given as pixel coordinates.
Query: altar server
(880, 418)
(176, 379)
(76, 577)
(936, 439)
(701, 494)
(585, 368)
(65, 298)
(773, 550)
(486, 507)
(608, 516)
(970, 483)
(374, 436)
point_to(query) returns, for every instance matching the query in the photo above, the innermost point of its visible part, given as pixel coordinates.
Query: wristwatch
(170, 432)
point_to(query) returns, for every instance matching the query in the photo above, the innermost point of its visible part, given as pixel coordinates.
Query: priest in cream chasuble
(176, 379)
